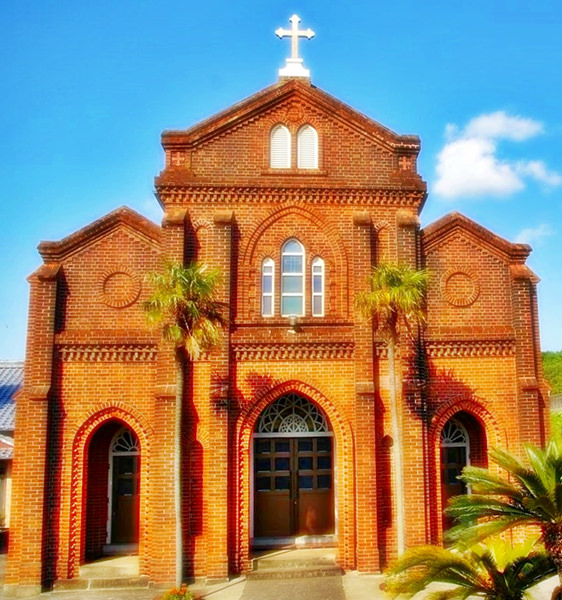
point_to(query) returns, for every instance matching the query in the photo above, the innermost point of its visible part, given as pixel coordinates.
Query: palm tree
(184, 302)
(396, 298)
(521, 496)
(494, 571)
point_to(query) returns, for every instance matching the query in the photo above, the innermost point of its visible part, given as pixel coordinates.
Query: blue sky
(87, 88)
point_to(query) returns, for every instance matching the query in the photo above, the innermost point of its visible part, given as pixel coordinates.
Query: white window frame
(284, 294)
(268, 263)
(317, 269)
(280, 147)
(307, 147)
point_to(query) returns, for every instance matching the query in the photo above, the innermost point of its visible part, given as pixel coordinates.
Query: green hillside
(552, 365)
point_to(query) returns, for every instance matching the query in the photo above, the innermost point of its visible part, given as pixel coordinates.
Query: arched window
(280, 148)
(307, 147)
(292, 279)
(267, 287)
(317, 287)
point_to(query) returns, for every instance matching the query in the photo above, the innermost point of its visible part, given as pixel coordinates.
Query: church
(286, 433)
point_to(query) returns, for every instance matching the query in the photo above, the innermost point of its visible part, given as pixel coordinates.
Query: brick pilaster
(218, 501)
(367, 550)
(31, 565)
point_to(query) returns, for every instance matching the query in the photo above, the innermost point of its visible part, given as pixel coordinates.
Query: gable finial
(294, 66)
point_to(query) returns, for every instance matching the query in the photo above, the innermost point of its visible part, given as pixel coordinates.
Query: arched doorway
(462, 443)
(112, 491)
(293, 471)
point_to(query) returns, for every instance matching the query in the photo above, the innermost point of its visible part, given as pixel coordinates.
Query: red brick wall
(226, 207)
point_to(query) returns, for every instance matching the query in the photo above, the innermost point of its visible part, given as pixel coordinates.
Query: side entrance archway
(463, 443)
(112, 495)
(293, 470)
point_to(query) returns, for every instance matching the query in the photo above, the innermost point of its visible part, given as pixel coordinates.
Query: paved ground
(350, 586)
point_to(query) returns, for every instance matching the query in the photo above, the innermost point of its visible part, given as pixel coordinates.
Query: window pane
(282, 483)
(305, 445)
(317, 284)
(317, 305)
(292, 284)
(305, 463)
(282, 446)
(262, 464)
(291, 305)
(262, 483)
(325, 482)
(267, 284)
(293, 247)
(267, 306)
(324, 444)
(306, 482)
(324, 462)
(280, 156)
(292, 264)
(282, 464)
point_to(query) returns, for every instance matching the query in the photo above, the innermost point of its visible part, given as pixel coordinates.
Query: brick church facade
(286, 434)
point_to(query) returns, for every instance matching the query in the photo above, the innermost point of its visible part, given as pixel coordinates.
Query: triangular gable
(440, 231)
(53, 252)
(269, 98)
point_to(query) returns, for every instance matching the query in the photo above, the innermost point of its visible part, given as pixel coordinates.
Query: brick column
(366, 472)
(32, 553)
(161, 544)
(412, 425)
(217, 456)
(533, 424)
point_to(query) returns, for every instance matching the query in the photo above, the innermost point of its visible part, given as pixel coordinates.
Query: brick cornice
(107, 352)
(470, 348)
(213, 194)
(306, 351)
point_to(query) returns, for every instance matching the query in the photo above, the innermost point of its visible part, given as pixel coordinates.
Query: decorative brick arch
(344, 443)
(325, 242)
(94, 419)
(491, 429)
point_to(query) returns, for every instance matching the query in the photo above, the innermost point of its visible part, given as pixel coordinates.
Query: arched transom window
(125, 442)
(294, 414)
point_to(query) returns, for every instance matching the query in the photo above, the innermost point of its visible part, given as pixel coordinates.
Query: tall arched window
(292, 279)
(317, 287)
(455, 456)
(267, 287)
(280, 148)
(307, 147)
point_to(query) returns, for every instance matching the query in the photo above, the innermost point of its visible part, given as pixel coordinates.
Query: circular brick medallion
(120, 287)
(459, 287)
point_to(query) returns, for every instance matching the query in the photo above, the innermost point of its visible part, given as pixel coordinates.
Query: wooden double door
(125, 500)
(293, 486)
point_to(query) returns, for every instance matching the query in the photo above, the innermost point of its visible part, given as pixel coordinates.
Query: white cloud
(500, 125)
(537, 170)
(468, 164)
(469, 167)
(533, 234)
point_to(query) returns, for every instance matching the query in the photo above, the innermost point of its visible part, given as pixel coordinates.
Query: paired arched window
(280, 148)
(293, 283)
(307, 148)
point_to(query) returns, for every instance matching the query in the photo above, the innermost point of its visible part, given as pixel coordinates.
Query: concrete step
(295, 572)
(296, 563)
(107, 583)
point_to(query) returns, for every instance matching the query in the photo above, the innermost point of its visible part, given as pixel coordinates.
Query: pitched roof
(11, 379)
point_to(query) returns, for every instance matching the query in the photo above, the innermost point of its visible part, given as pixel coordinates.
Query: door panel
(453, 461)
(293, 483)
(125, 501)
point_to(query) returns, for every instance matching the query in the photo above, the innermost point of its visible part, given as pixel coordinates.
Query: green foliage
(521, 495)
(181, 593)
(184, 302)
(495, 571)
(552, 365)
(397, 292)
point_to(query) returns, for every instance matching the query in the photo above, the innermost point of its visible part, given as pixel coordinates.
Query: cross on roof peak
(294, 66)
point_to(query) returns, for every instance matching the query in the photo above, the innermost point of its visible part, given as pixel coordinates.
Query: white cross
(295, 34)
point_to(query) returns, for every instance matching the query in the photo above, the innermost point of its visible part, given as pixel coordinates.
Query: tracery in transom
(453, 434)
(125, 442)
(292, 414)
